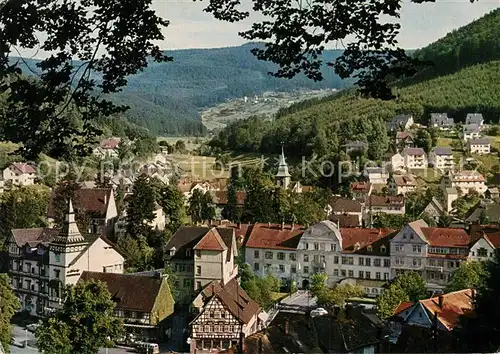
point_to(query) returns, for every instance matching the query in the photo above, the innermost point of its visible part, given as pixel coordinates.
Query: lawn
(278, 296)
(428, 175)
(191, 142)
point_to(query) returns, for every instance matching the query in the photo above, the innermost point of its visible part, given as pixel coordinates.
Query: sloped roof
(110, 143)
(129, 292)
(357, 239)
(405, 180)
(94, 200)
(345, 220)
(22, 168)
(446, 237)
(220, 197)
(272, 236)
(380, 200)
(34, 236)
(492, 232)
(403, 135)
(413, 151)
(344, 205)
(455, 304)
(403, 306)
(480, 141)
(234, 298)
(361, 187)
(442, 151)
(211, 241)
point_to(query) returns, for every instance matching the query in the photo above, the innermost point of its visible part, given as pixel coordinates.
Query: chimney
(441, 301)
(268, 224)
(293, 226)
(282, 225)
(106, 199)
(286, 326)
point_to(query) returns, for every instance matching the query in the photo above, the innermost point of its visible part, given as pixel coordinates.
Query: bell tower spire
(69, 232)
(283, 177)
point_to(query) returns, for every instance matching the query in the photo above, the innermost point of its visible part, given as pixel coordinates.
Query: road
(301, 298)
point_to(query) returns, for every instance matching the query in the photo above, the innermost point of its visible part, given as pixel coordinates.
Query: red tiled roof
(492, 232)
(403, 135)
(111, 143)
(455, 305)
(380, 200)
(446, 237)
(358, 238)
(405, 180)
(307, 189)
(211, 242)
(22, 168)
(344, 205)
(33, 236)
(273, 237)
(361, 187)
(129, 292)
(413, 152)
(240, 230)
(94, 200)
(345, 220)
(221, 197)
(402, 306)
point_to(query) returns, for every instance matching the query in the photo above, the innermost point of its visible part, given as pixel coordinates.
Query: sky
(190, 27)
(422, 24)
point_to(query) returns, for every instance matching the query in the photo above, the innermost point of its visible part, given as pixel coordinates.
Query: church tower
(65, 247)
(283, 177)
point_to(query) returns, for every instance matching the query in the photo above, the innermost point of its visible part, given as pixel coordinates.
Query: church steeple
(69, 232)
(283, 176)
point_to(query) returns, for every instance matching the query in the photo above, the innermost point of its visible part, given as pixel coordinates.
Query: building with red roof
(20, 174)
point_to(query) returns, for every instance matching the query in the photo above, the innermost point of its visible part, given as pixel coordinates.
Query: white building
(474, 118)
(401, 122)
(295, 253)
(20, 174)
(401, 184)
(414, 158)
(376, 175)
(441, 158)
(43, 261)
(479, 146)
(471, 131)
(376, 204)
(465, 181)
(441, 121)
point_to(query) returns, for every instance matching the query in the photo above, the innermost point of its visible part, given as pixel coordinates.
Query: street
(301, 298)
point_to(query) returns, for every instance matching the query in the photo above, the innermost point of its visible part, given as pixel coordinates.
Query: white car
(32, 327)
(319, 312)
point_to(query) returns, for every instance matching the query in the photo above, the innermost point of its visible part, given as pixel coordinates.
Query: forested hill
(322, 126)
(166, 97)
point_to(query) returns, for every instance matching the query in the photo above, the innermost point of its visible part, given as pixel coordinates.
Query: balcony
(434, 268)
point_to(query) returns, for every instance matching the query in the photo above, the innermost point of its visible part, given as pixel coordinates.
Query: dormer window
(369, 248)
(197, 253)
(188, 252)
(383, 249)
(172, 251)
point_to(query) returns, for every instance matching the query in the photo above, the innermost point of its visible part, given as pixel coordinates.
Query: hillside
(322, 126)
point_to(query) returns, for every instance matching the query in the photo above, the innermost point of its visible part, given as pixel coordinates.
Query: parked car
(32, 327)
(319, 312)
(147, 348)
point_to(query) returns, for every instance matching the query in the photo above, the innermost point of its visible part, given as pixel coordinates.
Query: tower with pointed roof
(68, 244)
(283, 177)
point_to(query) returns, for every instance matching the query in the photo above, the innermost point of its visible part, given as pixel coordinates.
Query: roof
(344, 205)
(234, 298)
(403, 306)
(404, 180)
(361, 187)
(211, 242)
(22, 168)
(442, 151)
(474, 117)
(220, 197)
(491, 211)
(403, 135)
(130, 292)
(380, 200)
(467, 176)
(455, 304)
(446, 237)
(187, 237)
(34, 236)
(480, 141)
(111, 143)
(273, 236)
(345, 220)
(491, 232)
(355, 144)
(358, 239)
(413, 151)
(94, 200)
(471, 128)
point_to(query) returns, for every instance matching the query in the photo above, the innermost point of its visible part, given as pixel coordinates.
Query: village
(196, 294)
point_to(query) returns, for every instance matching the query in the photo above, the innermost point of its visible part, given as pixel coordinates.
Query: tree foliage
(85, 323)
(469, 275)
(408, 286)
(9, 304)
(338, 296)
(259, 289)
(141, 206)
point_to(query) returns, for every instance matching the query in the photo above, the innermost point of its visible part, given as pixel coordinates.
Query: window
(343, 272)
(217, 328)
(335, 272)
(368, 262)
(187, 283)
(417, 262)
(387, 263)
(361, 261)
(281, 268)
(482, 252)
(306, 245)
(217, 314)
(369, 248)
(315, 270)
(361, 274)
(368, 275)
(198, 285)
(269, 255)
(451, 264)
(383, 249)
(293, 269)
(57, 256)
(198, 270)
(280, 256)
(377, 262)
(350, 260)
(57, 273)
(399, 248)
(333, 247)
(256, 267)
(377, 276)
(316, 246)
(417, 249)
(306, 258)
(188, 252)
(440, 263)
(292, 257)
(197, 253)
(350, 273)
(316, 258)
(344, 260)
(306, 269)
(336, 259)
(386, 276)
(256, 254)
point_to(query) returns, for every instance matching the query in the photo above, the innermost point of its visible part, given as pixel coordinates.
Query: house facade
(200, 255)
(401, 184)
(474, 118)
(465, 180)
(414, 158)
(296, 253)
(376, 204)
(360, 190)
(479, 146)
(441, 121)
(471, 131)
(401, 122)
(43, 261)
(441, 158)
(20, 174)
(376, 175)
(404, 139)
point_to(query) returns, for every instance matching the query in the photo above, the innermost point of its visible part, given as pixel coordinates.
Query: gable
(214, 305)
(408, 235)
(322, 231)
(481, 243)
(419, 317)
